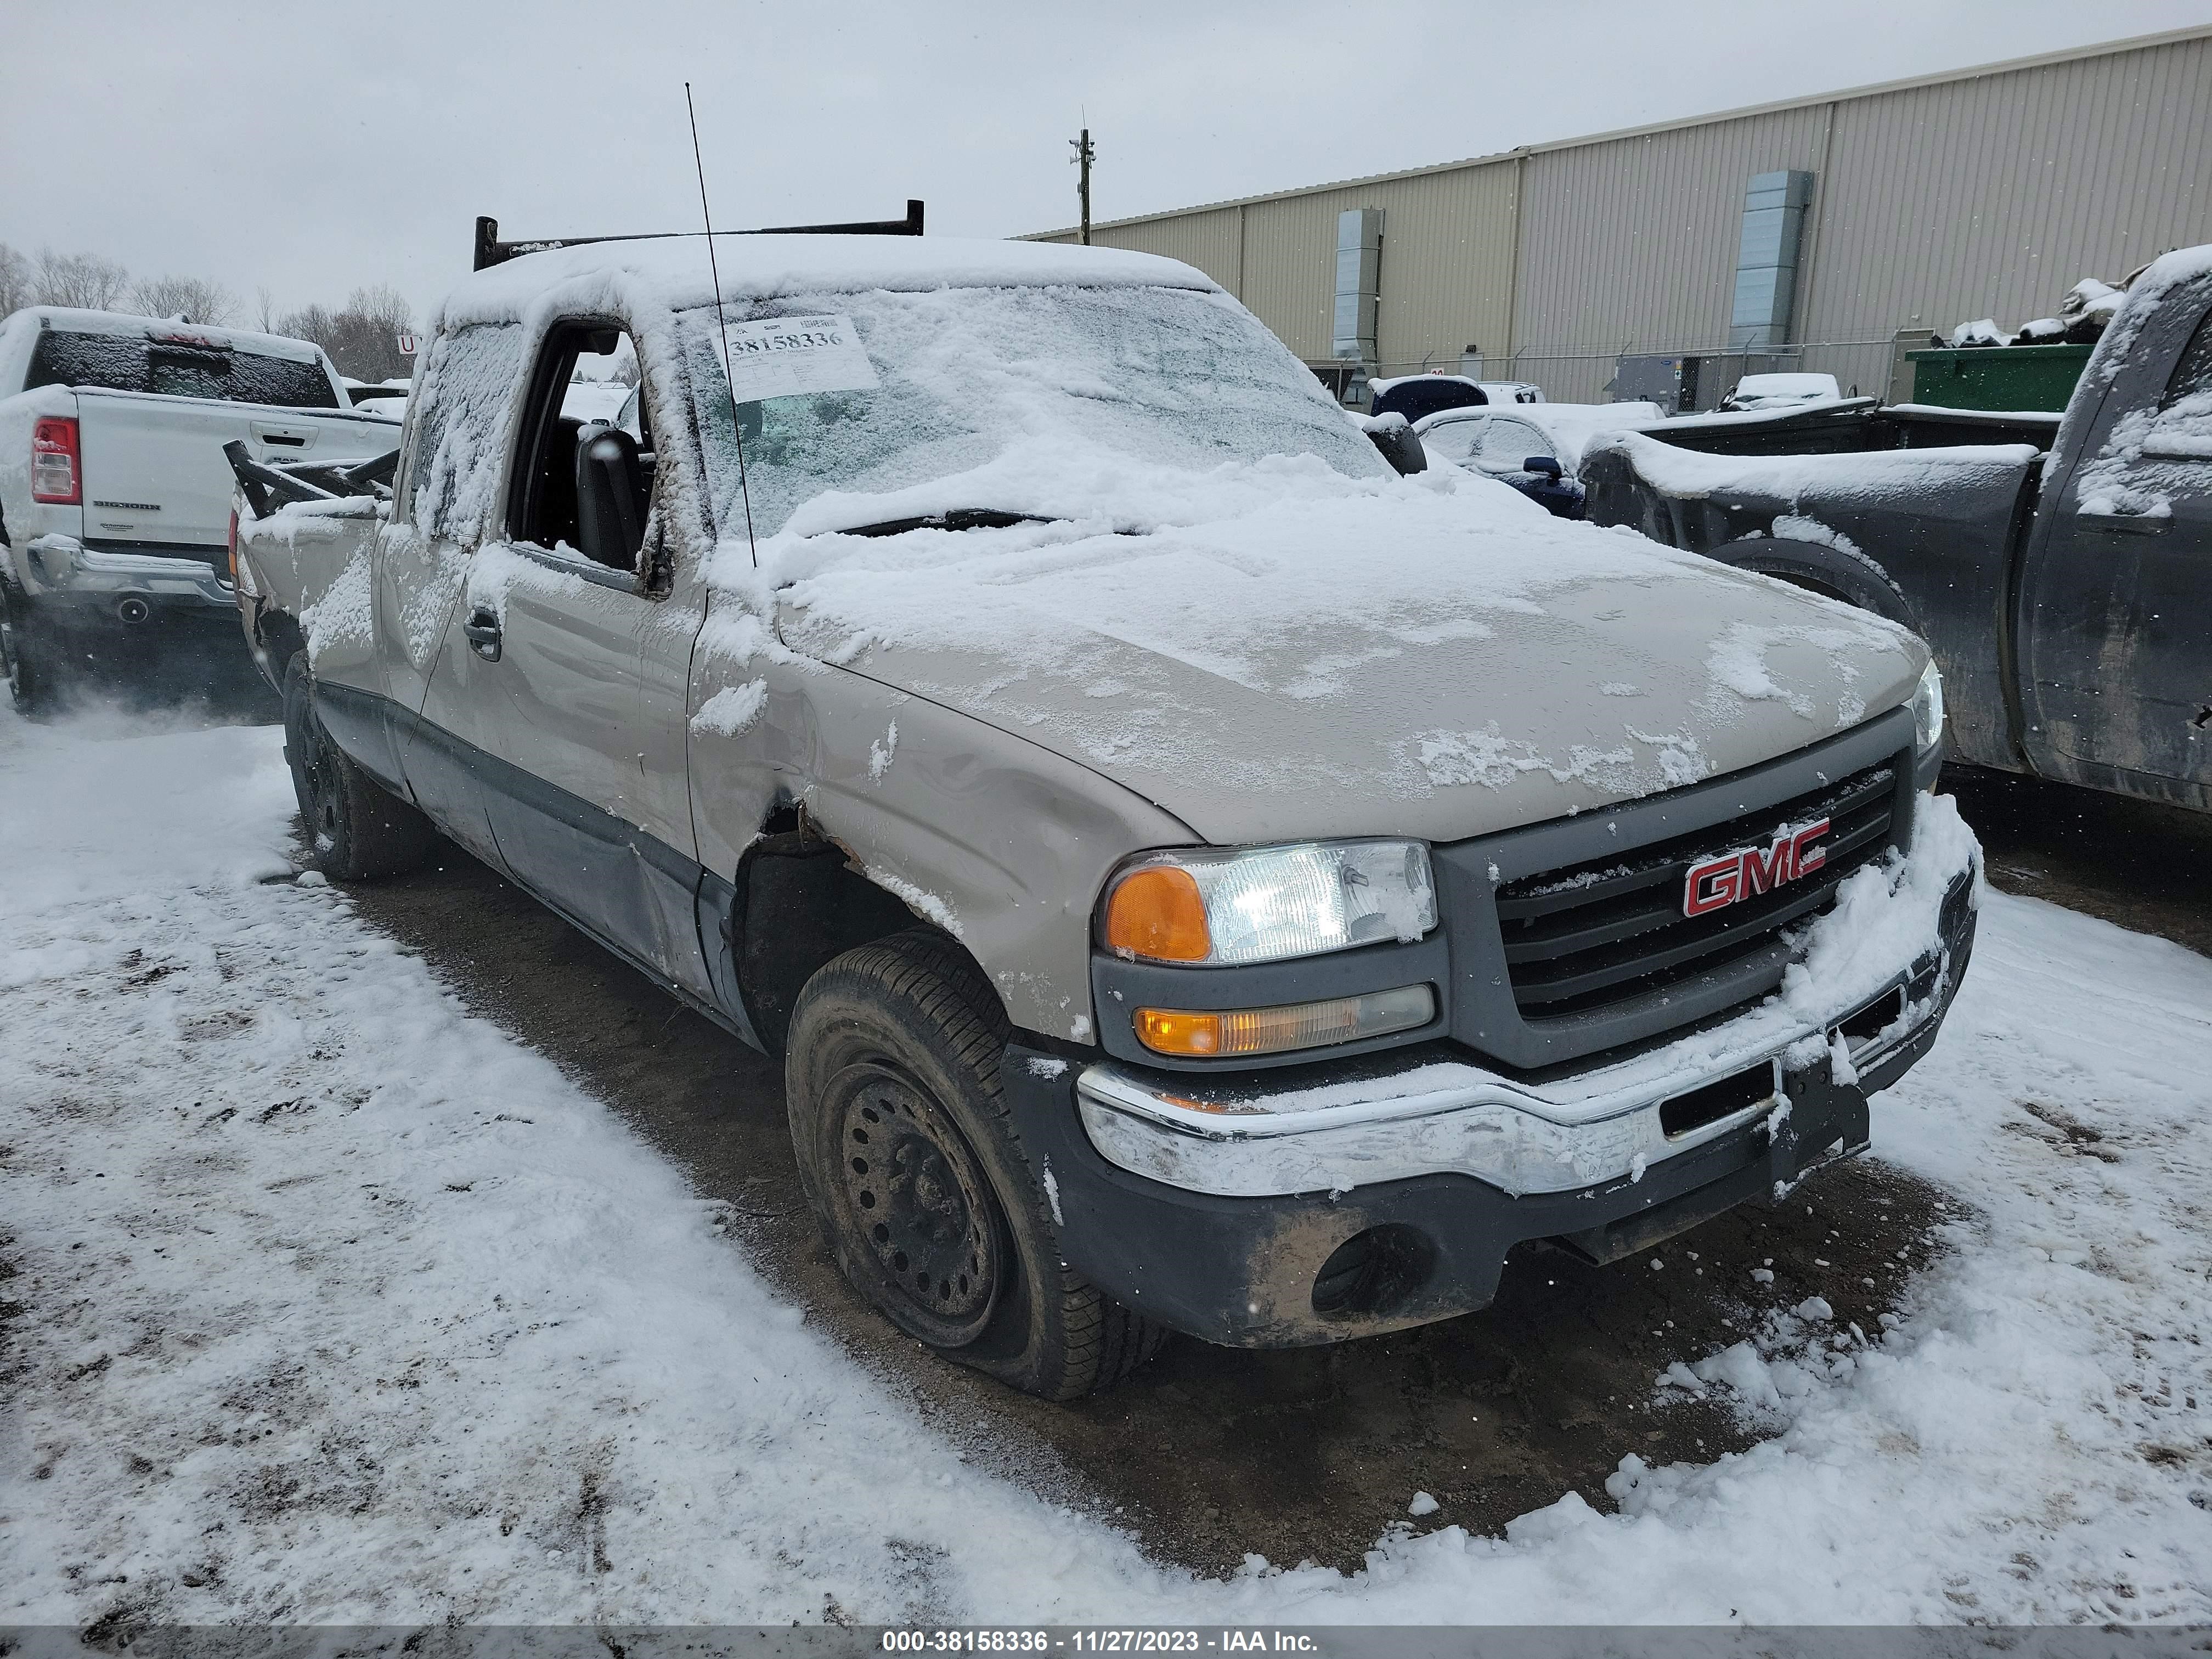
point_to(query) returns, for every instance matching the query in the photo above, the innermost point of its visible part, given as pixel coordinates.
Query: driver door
(568, 631)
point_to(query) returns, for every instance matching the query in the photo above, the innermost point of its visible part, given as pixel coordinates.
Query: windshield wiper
(960, 517)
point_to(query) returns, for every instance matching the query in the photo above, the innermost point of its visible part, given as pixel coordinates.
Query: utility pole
(1083, 158)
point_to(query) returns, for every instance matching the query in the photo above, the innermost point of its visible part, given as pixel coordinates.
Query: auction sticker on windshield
(784, 357)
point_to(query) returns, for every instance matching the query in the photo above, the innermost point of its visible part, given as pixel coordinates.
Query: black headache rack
(268, 487)
(491, 251)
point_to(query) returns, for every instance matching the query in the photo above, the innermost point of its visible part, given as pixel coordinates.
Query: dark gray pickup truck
(2066, 590)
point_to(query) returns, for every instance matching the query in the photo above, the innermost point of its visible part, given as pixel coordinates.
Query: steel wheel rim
(322, 788)
(919, 1203)
(9, 657)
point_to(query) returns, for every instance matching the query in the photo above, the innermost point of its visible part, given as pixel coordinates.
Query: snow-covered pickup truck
(1197, 878)
(2064, 585)
(114, 496)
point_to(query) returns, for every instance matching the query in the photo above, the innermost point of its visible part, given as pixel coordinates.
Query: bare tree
(265, 310)
(367, 334)
(311, 323)
(77, 279)
(363, 337)
(195, 300)
(14, 280)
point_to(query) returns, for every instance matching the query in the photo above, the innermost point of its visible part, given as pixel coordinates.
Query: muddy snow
(326, 1301)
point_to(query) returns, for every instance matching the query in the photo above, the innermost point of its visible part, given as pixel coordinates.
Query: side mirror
(609, 497)
(1545, 464)
(1400, 445)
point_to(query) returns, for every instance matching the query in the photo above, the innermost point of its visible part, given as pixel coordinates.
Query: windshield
(1028, 389)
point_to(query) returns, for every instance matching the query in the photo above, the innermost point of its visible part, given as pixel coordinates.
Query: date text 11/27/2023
(1132, 1639)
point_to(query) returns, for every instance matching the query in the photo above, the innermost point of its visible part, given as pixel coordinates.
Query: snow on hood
(1274, 650)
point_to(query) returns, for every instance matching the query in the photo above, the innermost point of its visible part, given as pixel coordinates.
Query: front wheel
(909, 1159)
(357, 829)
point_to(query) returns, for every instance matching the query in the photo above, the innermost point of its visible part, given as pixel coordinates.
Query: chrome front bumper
(1240, 1137)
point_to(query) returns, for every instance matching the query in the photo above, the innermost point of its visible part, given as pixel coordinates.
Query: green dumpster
(1997, 377)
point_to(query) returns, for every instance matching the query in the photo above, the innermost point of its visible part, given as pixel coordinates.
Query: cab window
(459, 421)
(1507, 444)
(583, 474)
(2192, 374)
(1454, 440)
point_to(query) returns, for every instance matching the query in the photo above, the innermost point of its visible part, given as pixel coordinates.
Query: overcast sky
(314, 147)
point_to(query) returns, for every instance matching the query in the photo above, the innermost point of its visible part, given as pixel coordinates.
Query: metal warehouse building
(1825, 233)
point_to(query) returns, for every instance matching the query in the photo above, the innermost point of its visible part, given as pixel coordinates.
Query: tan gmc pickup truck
(1199, 876)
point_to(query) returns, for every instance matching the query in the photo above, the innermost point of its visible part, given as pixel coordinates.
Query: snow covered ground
(332, 1303)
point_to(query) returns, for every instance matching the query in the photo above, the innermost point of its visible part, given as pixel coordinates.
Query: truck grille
(1587, 936)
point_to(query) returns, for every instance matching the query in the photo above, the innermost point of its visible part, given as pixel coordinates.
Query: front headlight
(1928, 710)
(1269, 903)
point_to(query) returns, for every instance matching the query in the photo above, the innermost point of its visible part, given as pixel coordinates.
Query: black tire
(357, 829)
(24, 656)
(911, 1162)
(1831, 572)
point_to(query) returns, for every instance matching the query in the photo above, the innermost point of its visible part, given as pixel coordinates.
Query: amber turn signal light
(1195, 1034)
(1157, 913)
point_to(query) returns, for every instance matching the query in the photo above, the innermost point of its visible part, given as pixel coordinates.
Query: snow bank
(339, 1306)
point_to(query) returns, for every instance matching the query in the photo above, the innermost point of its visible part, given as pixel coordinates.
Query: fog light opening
(1375, 1273)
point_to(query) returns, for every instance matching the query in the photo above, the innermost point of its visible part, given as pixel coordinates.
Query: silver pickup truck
(114, 498)
(1197, 877)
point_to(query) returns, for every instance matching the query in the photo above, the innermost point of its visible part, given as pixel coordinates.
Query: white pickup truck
(115, 494)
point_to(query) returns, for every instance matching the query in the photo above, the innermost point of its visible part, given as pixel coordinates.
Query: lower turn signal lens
(1206, 1034)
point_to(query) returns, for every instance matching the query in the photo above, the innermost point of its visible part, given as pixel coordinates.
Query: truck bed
(155, 476)
(1854, 426)
(1923, 536)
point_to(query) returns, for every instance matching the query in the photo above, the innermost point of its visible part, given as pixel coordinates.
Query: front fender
(981, 833)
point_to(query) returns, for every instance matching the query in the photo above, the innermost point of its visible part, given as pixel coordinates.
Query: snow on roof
(1426, 375)
(1789, 386)
(672, 273)
(72, 320)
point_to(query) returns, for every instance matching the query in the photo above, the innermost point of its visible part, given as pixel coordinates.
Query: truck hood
(1288, 654)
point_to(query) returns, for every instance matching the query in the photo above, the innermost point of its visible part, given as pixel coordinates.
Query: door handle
(2124, 524)
(483, 630)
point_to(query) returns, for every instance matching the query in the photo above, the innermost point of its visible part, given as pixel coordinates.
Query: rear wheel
(912, 1163)
(357, 829)
(24, 655)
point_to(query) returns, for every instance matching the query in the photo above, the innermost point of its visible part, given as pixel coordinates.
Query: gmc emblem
(1727, 878)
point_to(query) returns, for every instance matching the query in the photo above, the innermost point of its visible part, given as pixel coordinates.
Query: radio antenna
(722, 326)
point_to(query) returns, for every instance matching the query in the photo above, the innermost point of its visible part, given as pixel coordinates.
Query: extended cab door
(2116, 597)
(559, 637)
(448, 493)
